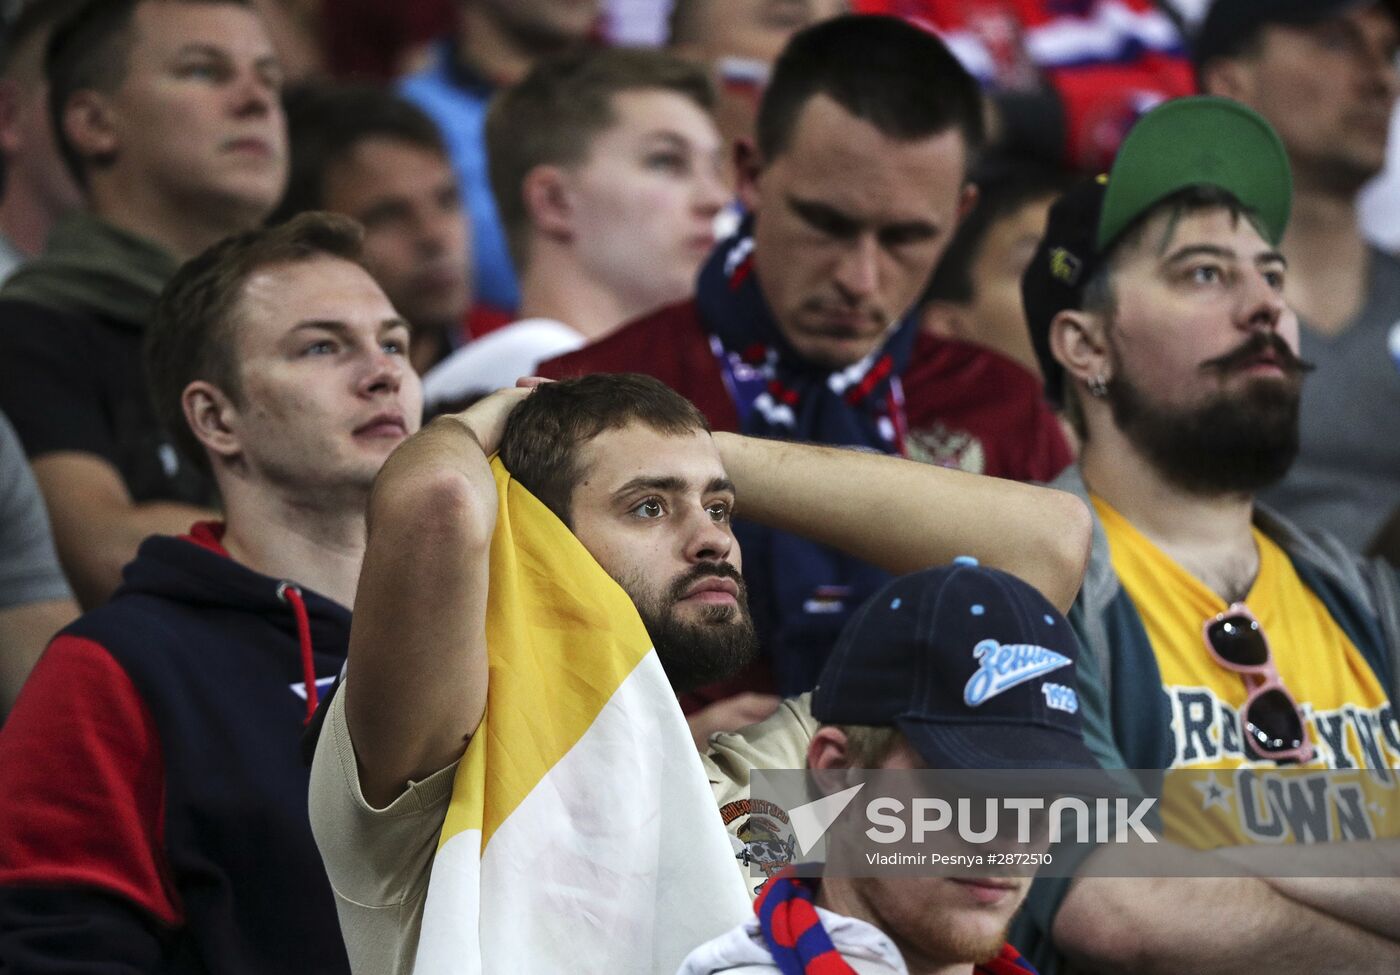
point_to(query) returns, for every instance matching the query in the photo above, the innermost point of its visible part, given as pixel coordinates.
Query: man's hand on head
(730, 714)
(486, 418)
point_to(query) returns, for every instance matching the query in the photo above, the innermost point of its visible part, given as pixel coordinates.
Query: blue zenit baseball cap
(973, 665)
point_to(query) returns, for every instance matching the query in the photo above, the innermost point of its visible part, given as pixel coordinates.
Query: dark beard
(1231, 444)
(716, 646)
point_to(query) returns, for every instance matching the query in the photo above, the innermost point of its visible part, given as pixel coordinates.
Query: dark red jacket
(968, 407)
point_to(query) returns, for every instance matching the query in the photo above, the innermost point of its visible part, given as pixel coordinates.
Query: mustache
(1258, 344)
(710, 570)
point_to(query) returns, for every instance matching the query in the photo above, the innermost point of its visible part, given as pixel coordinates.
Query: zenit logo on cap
(1064, 266)
(1001, 668)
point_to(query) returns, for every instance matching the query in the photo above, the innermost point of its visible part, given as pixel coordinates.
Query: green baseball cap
(1198, 141)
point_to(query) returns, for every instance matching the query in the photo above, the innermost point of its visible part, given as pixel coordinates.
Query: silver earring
(1098, 387)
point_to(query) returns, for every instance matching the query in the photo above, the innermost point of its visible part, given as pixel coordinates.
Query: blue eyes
(330, 347)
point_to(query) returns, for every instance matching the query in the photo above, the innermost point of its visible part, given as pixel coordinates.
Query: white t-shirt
(497, 360)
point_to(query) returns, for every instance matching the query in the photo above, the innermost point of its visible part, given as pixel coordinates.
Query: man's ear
(828, 760)
(213, 418)
(947, 320)
(1229, 78)
(1079, 342)
(747, 167)
(546, 195)
(967, 201)
(89, 124)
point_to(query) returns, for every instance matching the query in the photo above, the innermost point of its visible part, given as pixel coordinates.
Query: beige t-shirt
(379, 860)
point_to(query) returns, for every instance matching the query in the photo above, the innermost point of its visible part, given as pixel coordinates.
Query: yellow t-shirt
(1343, 704)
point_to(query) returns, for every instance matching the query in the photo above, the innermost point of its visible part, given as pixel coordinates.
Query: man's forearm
(1118, 917)
(1372, 903)
(904, 516)
(94, 554)
(1209, 926)
(417, 660)
(1357, 882)
(97, 527)
(24, 632)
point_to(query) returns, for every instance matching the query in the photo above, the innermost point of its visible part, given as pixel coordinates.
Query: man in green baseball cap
(1216, 635)
(1183, 145)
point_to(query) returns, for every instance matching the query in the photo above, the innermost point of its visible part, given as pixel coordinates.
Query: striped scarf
(780, 394)
(800, 945)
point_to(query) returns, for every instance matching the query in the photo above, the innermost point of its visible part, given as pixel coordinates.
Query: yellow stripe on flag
(546, 684)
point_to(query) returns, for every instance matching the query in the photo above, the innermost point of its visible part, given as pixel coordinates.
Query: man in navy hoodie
(152, 790)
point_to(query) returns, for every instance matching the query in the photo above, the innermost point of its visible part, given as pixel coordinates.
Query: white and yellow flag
(582, 835)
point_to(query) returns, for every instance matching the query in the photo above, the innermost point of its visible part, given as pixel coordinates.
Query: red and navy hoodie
(153, 813)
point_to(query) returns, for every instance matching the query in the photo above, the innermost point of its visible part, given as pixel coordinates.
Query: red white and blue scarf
(800, 945)
(780, 394)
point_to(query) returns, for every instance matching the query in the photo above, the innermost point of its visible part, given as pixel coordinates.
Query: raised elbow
(1097, 927)
(439, 505)
(1065, 533)
(1076, 538)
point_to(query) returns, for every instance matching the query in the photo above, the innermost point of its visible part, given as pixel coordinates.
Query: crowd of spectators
(779, 308)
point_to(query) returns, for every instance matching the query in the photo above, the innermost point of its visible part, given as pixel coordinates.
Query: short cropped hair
(541, 442)
(884, 71)
(89, 50)
(1004, 186)
(554, 114)
(869, 745)
(191, 336)
(327, 123)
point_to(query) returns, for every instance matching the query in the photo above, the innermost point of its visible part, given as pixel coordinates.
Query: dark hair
(191, 335)
(88, 50)
(326, 123)
(899, 78)
(552, 116)
(540, 445)
(1004, 186)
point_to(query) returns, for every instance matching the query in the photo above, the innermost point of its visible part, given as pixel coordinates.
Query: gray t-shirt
(29, 570)
(1346, 479)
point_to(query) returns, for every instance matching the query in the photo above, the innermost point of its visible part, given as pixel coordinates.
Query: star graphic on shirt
(1213, 793)
(1377, 809)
